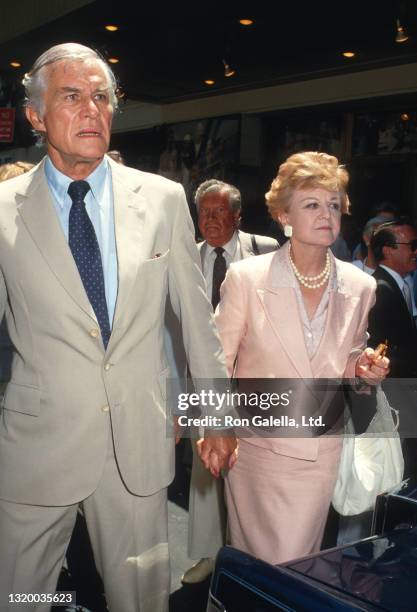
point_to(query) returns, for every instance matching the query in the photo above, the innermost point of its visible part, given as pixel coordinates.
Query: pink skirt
(278, 505)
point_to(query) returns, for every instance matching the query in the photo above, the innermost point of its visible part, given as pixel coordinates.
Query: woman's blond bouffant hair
(307, 170)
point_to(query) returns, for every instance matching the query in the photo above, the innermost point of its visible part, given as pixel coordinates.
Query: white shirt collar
(230, 247)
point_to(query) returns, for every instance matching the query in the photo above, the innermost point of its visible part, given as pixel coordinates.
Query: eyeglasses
(412, 244)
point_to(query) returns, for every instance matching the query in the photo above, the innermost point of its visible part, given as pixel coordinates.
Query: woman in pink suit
(294, 313)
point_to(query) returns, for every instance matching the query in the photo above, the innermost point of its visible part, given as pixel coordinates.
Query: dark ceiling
(166, 50)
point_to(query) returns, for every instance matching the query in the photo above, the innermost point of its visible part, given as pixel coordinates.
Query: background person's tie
(407, 297)
(219, 272)
(86, 252)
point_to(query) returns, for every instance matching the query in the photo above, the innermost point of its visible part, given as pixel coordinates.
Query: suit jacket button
(94, 333)
(107, 367)
(105, 408)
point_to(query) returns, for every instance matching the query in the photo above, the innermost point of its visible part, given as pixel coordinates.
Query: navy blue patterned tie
(86, 252)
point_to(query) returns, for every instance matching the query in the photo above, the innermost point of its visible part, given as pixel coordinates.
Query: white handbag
(371, 463)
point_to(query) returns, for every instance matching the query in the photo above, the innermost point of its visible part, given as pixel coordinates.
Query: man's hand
(217, 452)
(371, 367)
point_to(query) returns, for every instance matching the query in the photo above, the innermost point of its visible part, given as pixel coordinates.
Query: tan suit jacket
(258, 322)
(54, 423)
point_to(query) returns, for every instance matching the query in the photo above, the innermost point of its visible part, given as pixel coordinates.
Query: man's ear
(236, 218)
(35, 119)
(386, 251)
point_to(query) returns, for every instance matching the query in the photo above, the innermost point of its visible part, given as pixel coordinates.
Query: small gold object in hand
(381, 350)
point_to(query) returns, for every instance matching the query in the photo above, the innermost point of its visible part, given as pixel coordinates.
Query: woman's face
(314, 215)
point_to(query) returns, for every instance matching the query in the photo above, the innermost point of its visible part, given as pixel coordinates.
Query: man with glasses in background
(394, 245)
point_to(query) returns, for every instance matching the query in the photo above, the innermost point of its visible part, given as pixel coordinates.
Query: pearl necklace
(312, 282)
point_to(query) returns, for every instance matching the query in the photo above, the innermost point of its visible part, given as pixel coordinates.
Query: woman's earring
(287, 230)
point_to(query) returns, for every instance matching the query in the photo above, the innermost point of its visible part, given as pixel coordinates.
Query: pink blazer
(258, 321)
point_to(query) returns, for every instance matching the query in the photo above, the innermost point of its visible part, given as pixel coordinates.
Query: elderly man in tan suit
(89, 251)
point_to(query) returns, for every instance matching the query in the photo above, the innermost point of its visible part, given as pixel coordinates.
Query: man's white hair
(35, 81)
(216, 186)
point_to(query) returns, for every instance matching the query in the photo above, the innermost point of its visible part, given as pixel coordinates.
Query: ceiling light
(405, 116)
(348, 54)
(246, 22)
(111, 27)
(228, 71)
(15, 64)
(113, 60)
(401, 35)
(209, 82)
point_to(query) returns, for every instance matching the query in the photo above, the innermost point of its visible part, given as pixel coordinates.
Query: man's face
(216, 220)
(402, 257)
(76, 116)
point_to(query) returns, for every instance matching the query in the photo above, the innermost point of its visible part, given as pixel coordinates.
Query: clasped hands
(217, 452)
(371, 367)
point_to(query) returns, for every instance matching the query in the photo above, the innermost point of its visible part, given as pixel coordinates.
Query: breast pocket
(157, 260)
(153, 274)
(22, 398)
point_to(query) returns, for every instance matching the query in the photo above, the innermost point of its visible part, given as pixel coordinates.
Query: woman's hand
(217, 452)
(371, 367)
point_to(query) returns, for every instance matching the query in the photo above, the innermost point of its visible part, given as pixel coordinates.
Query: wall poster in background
(198, 150)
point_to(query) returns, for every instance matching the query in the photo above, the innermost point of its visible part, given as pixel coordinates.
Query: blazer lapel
(404, 314)
(203, 250)
(37, 211)
(340, 310)
(278, 304)
(129, 213)
(281, 308)
(245, 244)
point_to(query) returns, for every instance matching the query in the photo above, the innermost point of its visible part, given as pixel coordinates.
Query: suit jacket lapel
(281, 308)
(341, 307)
(36, 208)
(278, 304)
(337, 310)
(245, 244)
(382, 274)
(129, 214)
(203, 249)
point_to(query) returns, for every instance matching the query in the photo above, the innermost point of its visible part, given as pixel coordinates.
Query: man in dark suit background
(394, 246)
(219, 209)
